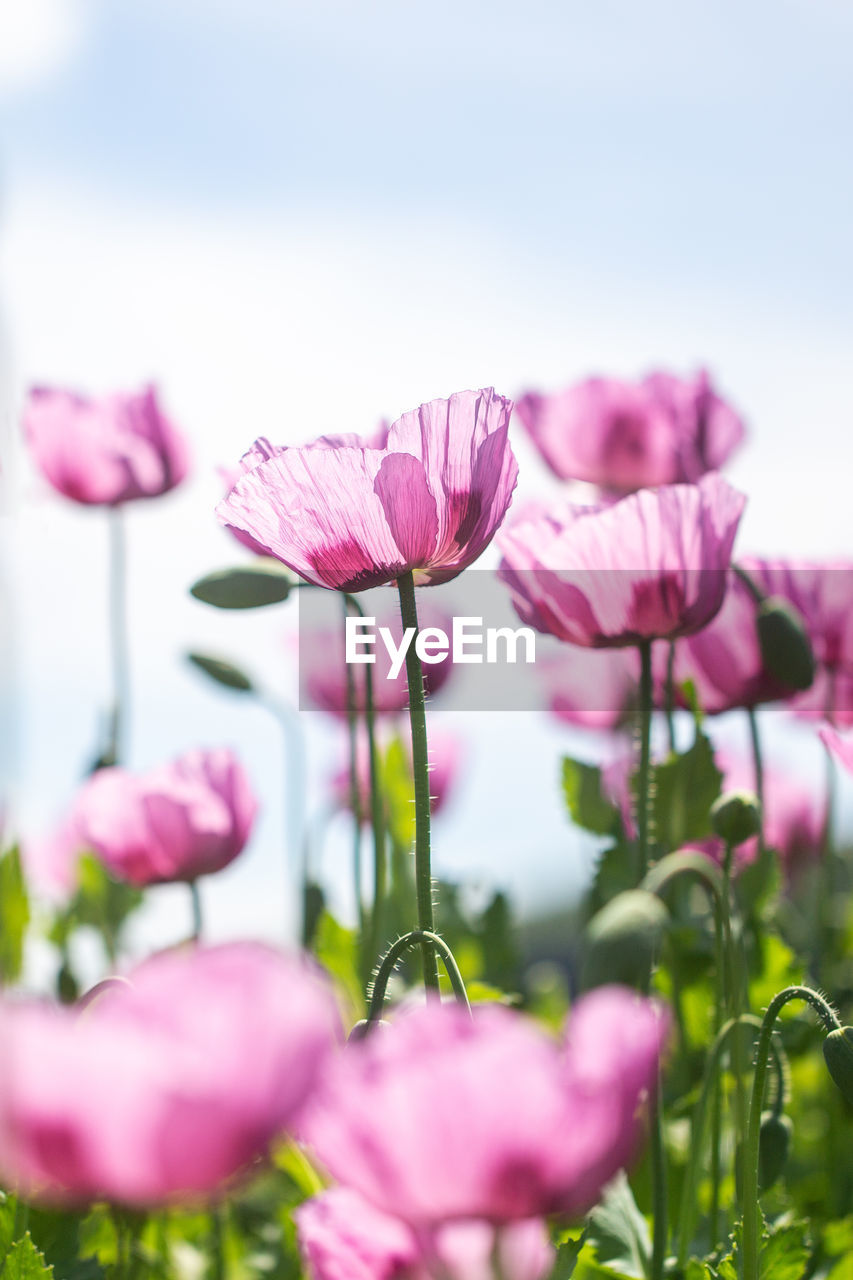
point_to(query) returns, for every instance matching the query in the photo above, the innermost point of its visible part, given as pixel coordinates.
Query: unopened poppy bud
(838, 1052)
(622, 939)
(786, 649)
(735, 817)
(774, 1142)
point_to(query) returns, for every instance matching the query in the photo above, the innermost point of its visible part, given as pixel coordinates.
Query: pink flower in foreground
(107, 451)
(343, 1237)
(650, 566)
(351, 518)
(624, 436)
(166, 1088)
(443, 1118)
(179, 821)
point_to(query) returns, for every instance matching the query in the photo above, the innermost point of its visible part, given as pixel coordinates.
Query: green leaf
(246, 587)
(398, 788)
(8, 1212)
(222, 672)
(25, 1262)
(685, 787)
(619, 1231)
(14, 915)
(587, 806)
(785, 1253)
(567, 1258)
(336, 948)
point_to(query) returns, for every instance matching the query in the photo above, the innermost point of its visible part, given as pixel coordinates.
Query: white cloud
(36, 38)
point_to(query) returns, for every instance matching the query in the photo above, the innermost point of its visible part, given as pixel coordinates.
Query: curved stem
(118, 638)
(687, 1212)
(420, 769)
(758, 770)
(829, 1018)
(645, 753)
(395, 953)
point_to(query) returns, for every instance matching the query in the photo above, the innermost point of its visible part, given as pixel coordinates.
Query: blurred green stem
(644, 798)
(395, 953)
(195, 895)
(758, 770)
(119, 659)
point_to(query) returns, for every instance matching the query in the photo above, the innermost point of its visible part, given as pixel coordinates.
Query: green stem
(195, 897)
(670, 696)
(751, 1210)
(687, 1213)
(758, 770)
(392, 958)
(355, 798)
(420, 768)
(377, 820)
(217, 1243)
(644, 798)
(118, 639)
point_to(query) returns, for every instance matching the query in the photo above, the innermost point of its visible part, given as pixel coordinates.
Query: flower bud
(786, 649)
(735, 817)
(838, 1052)
(774, 1141)
(622, 939)
(364, 1027)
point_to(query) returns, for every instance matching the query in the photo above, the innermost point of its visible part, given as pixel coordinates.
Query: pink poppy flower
(165, 1088)
(724, 659)
(107, 451)
(351, 518)
(444, 761)
(822, 593)
(650, 566)
(594, 688)
(624, 436)
(343, 1235)
(323, 669)
(444, 1117)
(177, 822)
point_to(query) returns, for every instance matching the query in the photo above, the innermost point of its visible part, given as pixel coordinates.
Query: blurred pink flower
(724, 659)
(822, 593)
(624, 436)
(444, 760)
(840, 748)
(343, 1237)
(179, 821)
(650, 566)
(444, 1117)
(107, 451)
(351, 518)
(323, 670)
(594, 688)
(163, 1089)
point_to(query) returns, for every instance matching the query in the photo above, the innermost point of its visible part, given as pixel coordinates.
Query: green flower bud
(622, 939)
(838, 1052)
(774, 1142)
(735, 817)
(786, 650)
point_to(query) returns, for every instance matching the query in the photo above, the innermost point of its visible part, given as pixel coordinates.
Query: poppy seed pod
(838, 1053)
(622, 939)
(774, 1141)
(736, 817)
(786, 649)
